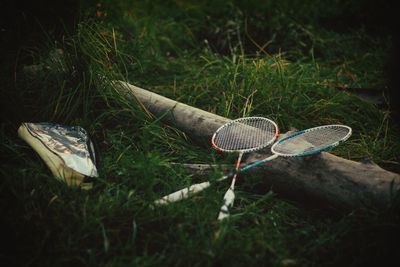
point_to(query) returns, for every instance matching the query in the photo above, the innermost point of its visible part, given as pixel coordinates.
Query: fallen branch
(342, 183)
(197, 123)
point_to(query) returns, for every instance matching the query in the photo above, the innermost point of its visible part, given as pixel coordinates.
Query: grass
(279, 60)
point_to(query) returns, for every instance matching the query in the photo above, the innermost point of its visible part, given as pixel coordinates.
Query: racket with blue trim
(302, 143)
(307, 142)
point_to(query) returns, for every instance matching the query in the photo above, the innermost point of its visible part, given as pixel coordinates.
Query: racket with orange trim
(241, 136)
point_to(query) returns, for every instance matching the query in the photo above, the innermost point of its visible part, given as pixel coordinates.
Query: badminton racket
(310, 141)
(242, 136)
(302, 143)
(238, 136)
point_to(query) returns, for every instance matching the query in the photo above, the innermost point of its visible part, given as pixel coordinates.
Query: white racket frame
(315, 151)
(229, 196)
(249, 149)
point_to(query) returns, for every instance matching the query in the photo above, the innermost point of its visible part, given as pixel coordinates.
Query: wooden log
(197, 123)
(342, 183)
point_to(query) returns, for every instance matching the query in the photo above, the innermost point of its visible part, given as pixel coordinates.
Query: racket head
(311, 141)
(245, 135)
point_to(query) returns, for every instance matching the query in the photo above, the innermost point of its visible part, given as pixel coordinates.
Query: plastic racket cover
(245, 135)
(310, 141)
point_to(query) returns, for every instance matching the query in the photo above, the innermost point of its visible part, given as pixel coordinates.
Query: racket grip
(181, 194)
(229, 198)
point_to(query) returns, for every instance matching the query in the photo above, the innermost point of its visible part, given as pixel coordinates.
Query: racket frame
(214, 145)
(314, 151)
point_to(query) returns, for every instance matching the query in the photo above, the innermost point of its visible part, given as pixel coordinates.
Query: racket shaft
(258, 163)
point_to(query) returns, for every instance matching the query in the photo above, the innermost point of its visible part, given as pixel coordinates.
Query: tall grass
(231, 58)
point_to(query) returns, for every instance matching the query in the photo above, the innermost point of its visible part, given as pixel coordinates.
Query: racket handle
(229, 198)
(182, 194)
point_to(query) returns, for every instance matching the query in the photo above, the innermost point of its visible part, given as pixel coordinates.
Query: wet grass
(233, 59)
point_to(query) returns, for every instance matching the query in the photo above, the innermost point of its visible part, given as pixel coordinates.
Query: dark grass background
(191, 51)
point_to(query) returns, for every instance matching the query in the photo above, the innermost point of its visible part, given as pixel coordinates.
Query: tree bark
(324, 178)
(197, 123)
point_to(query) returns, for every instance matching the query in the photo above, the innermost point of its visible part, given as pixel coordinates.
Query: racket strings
(246, 134)
(312, 140)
